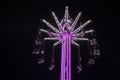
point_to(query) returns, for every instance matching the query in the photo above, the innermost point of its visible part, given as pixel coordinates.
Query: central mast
(66, 58)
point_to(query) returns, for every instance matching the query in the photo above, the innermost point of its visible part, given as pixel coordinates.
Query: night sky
(22, 18)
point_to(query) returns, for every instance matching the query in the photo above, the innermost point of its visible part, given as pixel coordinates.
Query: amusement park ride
(66, 34)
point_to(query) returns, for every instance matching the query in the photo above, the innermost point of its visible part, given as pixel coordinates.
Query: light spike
(57, 43)
(53, 34)
(50, 26)
(66, 13)
(74, 43)
(89, 31)
(75, 21)
(45, 31)
(57, 21)
(80, 39)
(81, 27)
(52, 38)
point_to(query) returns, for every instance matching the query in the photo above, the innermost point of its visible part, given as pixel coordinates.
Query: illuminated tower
(67, 34)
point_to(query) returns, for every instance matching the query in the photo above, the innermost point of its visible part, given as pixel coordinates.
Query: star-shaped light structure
(66, 34)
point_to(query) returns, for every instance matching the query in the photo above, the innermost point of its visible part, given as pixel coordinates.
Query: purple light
(67, 34)
(66, 57)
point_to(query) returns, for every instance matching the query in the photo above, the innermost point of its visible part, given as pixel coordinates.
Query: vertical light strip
(63, 57)
(66, 58)
(62, 62)
(69, 56)
(67, 67)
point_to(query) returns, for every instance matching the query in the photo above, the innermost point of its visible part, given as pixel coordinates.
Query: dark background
(21, 19)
